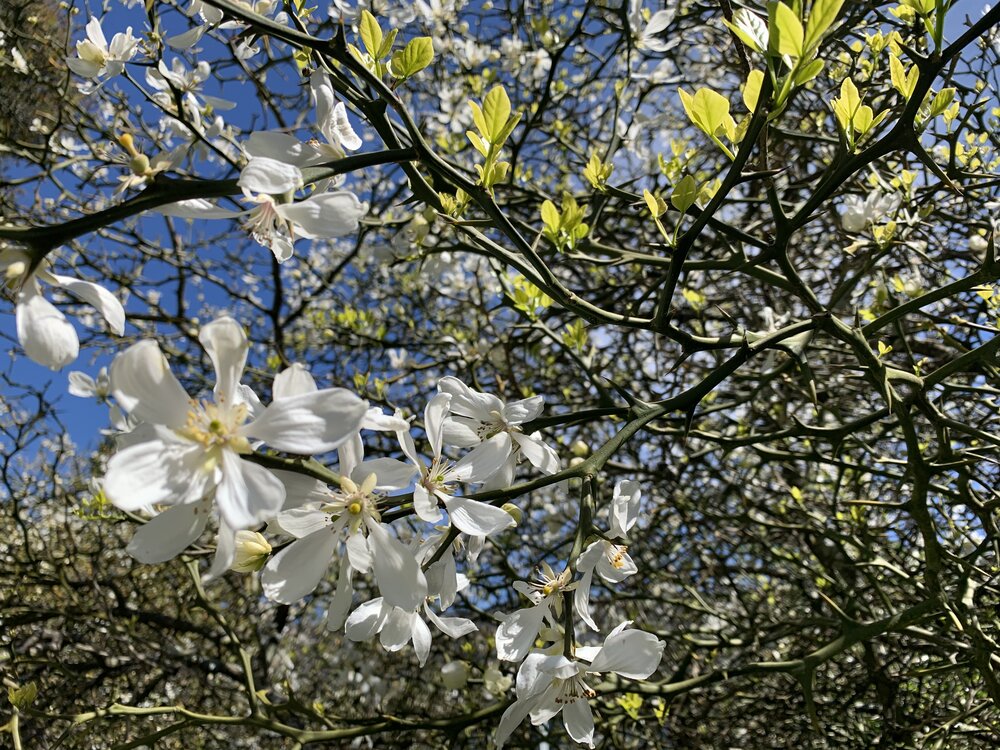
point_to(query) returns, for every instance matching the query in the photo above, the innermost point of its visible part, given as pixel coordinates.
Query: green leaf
(654, 203)
(387, 43)
(478, 142)
(22, 697)
(496, 112)
(685, 194)
(708, 110)
(550, 215)
(808, 71)
(751, 92)
(751, 29)
(371, 33)
(413, 58)
(786, 35)
(902, 80)
(941, 101)
(821, 17)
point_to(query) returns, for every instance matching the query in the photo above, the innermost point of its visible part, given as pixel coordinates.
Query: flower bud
(579, 449)
(977, 243)
(455, 675)
(252, 551)
(516, 513)
(576, 461)
(496, 682)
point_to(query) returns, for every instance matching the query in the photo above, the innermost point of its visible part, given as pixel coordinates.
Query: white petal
(421, 640)
(296, 571)
(517, 633)
(485, 460)
(143, 385)
(293, 381)
(359, 552)
(83, 68)
(607, 570)
(400, 579)
(149, 473)
(624, 507)
(225, 552)
(227, 347)
(351, 453)
(197, 208)
(168, 534)
(466, 402)
(397, 630)
(188, 39)
(523, 411)
(377, 419)
(270, 176)
(97, 297)
(328, 215)
(581, 596)
(516, 713)
(460, 432)
(541, 456)
(453, 627)
(96, 34)
(660, 20)
(248, 494)
(342, 127)
(273, 145)
(442, 579)
(425, 505)
(579, 721)
(392, 473)
(477, 518)
(631, 653)
(341, 602)
(366, 620)
(43, 331)
(434, 416)
(310, 423)
(82, 385)
(302, 522)
(531, 680)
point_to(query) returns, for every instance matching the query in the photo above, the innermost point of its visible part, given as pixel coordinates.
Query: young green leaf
(786, 35)
(371, 34)
(413, 58)
(685, 194)
(821, 17)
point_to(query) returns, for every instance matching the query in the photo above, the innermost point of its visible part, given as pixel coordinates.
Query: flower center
(573, 689)
(616, 555)
(495, 426)
(216, 425)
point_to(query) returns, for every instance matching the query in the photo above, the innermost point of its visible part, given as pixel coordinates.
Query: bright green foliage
(563, 228)
(597, 172)
(414, 57)
(709, 111)
(855, 118)
(495, 122)
(377, 45)
(526, 297)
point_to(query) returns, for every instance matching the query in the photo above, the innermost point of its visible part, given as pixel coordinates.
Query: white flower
(517, 633)
(277, 220)
(609, 560)
(437, 481)
(96, 58)
(351, 512)
(455, 675)
(651, 36)
(252, 551)
(84, 386)
(47, 337)
(551, 684)
(478, 417)
(190, 451)
(860, 214)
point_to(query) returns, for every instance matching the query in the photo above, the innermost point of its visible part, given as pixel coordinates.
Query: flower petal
(434, 416)
(151, 473)
(516, 634)
(425, 505)
(366, 620)
(97, 297)
(43, 331)
(477, 518)
(341, 602)
(296, 571)
(485, 460)
(453, 627)
(400, 579)
(309, 423)
(227, 346)
(168, 534)
(248, 494)
(541, 456)
(293, 381)
(143, 385)
(270, 176)
(327, 215)
(579, 721)
(624, 507)
(631, 653)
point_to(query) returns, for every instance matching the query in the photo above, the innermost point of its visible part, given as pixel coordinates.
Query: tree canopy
(490, 374)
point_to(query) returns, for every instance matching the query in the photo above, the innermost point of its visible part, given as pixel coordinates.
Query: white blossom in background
(608, 559)
(188, 452)
(44, 333)
(518, 631)
(95, 58)
(859, 214)
(476, 417)
(550, 684)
